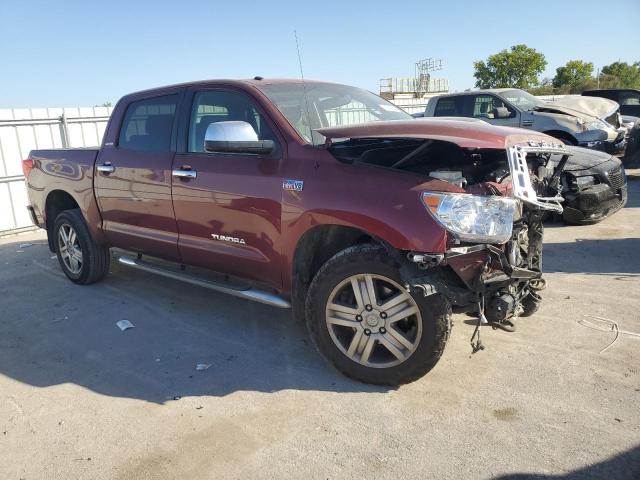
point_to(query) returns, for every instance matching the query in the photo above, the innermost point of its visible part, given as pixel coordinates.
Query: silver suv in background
(516, 108)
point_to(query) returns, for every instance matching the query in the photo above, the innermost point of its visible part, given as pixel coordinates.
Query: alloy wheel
(373, 320)
(69, 248)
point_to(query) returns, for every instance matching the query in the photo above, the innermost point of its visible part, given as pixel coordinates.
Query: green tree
(544, 88)
(573, 74)
(628, 75)
(518, 68)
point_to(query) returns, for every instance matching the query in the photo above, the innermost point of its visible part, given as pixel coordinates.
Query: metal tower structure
(423, 71)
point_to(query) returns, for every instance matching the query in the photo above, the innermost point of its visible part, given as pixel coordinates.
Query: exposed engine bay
(497, 282)
(472, 170)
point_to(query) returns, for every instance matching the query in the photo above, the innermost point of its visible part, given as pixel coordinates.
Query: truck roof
(238, 82)
(475, 92)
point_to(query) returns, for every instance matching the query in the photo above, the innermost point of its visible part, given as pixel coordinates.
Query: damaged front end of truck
(490, 193)
(501, 280)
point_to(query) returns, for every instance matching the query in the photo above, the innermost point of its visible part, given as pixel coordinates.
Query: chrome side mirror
(235, 137)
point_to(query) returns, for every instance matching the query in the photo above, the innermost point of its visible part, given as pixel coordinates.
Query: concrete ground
(80, 399)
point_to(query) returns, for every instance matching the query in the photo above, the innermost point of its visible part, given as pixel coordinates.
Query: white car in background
(586, 122)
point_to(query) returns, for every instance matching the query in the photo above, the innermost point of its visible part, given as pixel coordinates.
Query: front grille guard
(522, 188)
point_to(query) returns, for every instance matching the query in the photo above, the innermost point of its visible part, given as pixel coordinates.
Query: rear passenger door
(133, 178)
(450, 107)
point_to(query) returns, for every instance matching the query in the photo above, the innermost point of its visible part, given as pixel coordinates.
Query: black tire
(530, 304)
(435, 312)
(96, 258)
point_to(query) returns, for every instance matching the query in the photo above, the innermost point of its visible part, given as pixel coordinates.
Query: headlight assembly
(473, 218)
(597, 125)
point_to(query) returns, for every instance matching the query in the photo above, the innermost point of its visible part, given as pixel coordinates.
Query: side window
(221, 106)
(629, 98)
(449, 107)
(484, 105)
(148, 123)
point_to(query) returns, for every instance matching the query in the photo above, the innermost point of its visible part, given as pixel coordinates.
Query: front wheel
(368, 325)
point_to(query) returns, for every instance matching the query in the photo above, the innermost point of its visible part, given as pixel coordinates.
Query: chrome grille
(616, 177)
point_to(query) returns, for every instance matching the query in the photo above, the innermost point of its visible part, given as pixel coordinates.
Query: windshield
(522, 100)
(328, 105)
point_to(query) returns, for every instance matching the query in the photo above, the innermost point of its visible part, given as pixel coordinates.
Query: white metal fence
(26, 129)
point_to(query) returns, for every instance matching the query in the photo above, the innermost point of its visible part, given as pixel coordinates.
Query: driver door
(228, 211)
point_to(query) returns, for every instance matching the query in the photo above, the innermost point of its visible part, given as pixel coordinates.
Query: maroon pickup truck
(325, 198)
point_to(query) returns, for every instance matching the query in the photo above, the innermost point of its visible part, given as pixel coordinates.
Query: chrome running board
(247, 293)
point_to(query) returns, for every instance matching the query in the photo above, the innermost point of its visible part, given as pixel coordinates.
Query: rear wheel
(82, 260)
(368, 326)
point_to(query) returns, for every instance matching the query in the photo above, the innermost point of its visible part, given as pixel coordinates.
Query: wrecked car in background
(594, 186)
(594, 182)
(573, 122)
(627, 98)
(632, 153)
(321, 197)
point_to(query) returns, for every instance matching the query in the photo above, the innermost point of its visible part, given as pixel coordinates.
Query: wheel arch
(317, 245)
(57, 201)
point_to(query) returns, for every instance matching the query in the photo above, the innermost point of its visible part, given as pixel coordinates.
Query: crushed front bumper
(597, 202)
(614, 147)
(594, 203)
(472, 272)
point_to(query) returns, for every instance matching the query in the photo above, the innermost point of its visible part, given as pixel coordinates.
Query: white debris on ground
(125, 325)
(606, 325)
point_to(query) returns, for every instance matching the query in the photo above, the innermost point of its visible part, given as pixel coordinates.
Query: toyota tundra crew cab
(314, 196)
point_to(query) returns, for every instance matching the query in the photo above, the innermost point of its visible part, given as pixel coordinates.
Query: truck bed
(70, 171)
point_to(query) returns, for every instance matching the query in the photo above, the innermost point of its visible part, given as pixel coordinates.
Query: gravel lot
(80, 399)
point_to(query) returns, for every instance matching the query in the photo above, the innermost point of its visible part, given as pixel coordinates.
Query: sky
(84, 53)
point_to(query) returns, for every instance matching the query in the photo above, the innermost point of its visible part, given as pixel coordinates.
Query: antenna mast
(304, 87)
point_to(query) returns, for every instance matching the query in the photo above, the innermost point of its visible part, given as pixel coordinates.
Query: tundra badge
(224, 238)
(293, 185)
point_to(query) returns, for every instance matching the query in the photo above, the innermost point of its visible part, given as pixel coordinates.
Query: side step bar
(246, 293)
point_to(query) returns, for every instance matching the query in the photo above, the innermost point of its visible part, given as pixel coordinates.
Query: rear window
(449, 107)
(148, 123)
(629, 98)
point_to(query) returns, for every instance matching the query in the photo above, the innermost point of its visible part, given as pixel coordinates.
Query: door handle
(184, 173)
(106, 167)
